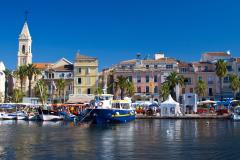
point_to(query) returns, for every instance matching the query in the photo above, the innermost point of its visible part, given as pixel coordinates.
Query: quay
(188, 116)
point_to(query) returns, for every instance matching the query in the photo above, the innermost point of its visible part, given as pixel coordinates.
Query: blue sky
(115, 30)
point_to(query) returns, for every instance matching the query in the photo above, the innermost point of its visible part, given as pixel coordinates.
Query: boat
(20, 115)
(49, 115)
(6, 112)
(107, 110)
(236, 113)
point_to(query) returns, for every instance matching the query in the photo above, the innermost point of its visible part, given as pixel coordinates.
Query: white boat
(7, 116)
(47, 115)
(236, 113)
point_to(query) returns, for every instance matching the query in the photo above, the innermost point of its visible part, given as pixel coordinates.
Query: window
(238, 68)
(156, 89)
(200, 78)
(226, 79)
(62, 75)
(191, 90)
(79, 70)
(183, 90)
(52, 75)
(88, 80)
(188, 81)
(49, 76)
(70, 87)
(205, 68)
(229, 68)
(183, 70)
(88, 70)
(147, 78)
(210, 92)
(169, 66)
(79, 80)
(155, 78)
(199, 69)
(147, 89)
(147, 66)
(130, 78)
(210, 80)
(139, 89)
(138, 78)
(88, 91)
(23, 49)
(155, 66)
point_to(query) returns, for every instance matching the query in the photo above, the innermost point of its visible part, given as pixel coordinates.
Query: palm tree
(164, 91)
(234, 83)
(31, 70)
(8, 74)
(130, 89)
(221, 71)
(173, 80)
(60, 85)
(200, 88)
(17, 95)
(122, 83)
(21, 74)
(41, 91)
(99, 91)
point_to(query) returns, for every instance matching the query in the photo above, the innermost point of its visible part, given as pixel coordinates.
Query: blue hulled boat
(107, 110)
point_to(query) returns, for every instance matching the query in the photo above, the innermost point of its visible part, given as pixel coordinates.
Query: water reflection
(141, 139)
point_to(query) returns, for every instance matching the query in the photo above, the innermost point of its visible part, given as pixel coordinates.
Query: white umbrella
(206, 102)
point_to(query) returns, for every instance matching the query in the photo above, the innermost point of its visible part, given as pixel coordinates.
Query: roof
(163, 60)
(132, 61)
(64, 68)
(80, 56)
(25, 34)
(42, 65)
(238, 60)
(224, 54)
(170, 100)
(184, 64)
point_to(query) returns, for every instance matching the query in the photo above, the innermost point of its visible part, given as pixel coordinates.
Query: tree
(234, 83)
(221, 71)
(122, 83)
(130, 89)
(200, 88)
(31, 70)
(21, 74)
(17, 95)
(173, 80)
(164, 91)
(8, 74)
(41, 91)
(60, 84)
(99, 91)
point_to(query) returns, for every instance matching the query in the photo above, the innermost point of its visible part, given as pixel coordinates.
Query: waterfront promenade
(187, 116)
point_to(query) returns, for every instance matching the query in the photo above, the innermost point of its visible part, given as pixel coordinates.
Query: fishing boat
(7, 112)
(236, 113)
(107, 110)
(49, 115)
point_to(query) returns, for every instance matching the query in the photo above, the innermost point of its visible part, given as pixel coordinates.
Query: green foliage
(31, 70)
(98, 91)
(200, 88)
(130, 89)
(17, 95)
(234, 83)
(164, 91)
(21, 73)
(173, 80)
(60, 84)
(41, 91)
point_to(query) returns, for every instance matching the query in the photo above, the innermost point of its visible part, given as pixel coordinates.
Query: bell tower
(24, 46)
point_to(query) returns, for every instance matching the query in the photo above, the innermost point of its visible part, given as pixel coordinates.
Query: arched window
(23, 49)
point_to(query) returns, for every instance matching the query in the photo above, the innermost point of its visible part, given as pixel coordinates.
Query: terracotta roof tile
(80, 56)
(217, 54)
(42, 65)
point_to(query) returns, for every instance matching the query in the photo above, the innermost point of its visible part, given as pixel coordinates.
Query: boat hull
(100, 116)
(50, 117)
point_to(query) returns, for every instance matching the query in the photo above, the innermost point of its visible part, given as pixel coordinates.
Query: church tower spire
(24, 46)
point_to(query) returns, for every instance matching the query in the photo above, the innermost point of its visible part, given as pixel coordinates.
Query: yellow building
(85, 74)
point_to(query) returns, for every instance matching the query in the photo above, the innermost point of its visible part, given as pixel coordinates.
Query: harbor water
(140, 139)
